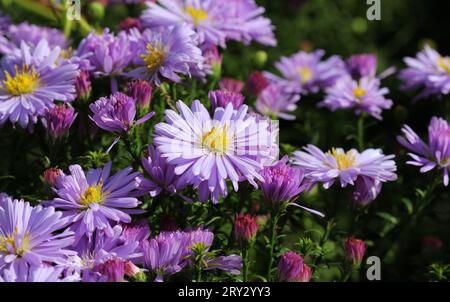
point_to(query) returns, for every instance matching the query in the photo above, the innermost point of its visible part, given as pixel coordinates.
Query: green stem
(273, 240)
(135, 157)
(198, 268)
(360, 134)
(245, 263)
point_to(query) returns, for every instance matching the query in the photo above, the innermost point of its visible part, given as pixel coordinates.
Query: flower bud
(57, 121)
(213, 58)
(113, 270)
(363, 65)
(141, 91)
(83, 85)
(306, 273)
(245, 228)
(131, 270)
(96, 11)
(256, 83)
(354, 250)
(260, 58)
(51, 174)
(221, 98)
(290, 267)
(231, 85)
(129, 23)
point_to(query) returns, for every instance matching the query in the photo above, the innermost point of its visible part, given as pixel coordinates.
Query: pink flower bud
(131, 269)
(113, 270)
(141, 91)
(306, 273)
(51, 174)
(129, 23)
(58, 120)
(231, 85)
(83, 85)
(256, 83)
(290, 267)
(245, 227)
(354, 250)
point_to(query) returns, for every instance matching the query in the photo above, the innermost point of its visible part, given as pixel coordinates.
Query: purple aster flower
(346, 166)
(429, 72)
(208, 151)
(116, 113)
(92, 261)
(96, 200)
(435, 154)
(58, 120)
(167, 54)
(231, 84)
(31, 34)
(215, 21)
(30, 236)
(136, 231)
(221, 98)
(275, 102)
(246, 23)
(163, 255)
(366, 190)
(161, 175)
(282, 184)
(362, 65)
(306, 72)
(38, 273)
(364, 95)
(30, 82)
(107, 53)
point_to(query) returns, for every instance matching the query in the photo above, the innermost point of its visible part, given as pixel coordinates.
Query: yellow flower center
(344, 160)
(93, 194)
(444, 63)
(23, 81)
(154, 57)
(9, 243)
(306, 74)
(197, 15)
(359, 92)
(216, 140)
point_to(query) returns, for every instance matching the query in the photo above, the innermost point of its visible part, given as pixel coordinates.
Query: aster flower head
(307, 73)
(274, 101)
(116, 113)
(31, 82)
(428, 72)
(163, 255)
(108, 54)
(135, 232)
(364, 95)
(231, 84)
(206, 152)
(290, 267)
(28, 235)
(362, 65)
(221, 98)
(167, 54)
(99, 258)
(346, 166)
(96, 200)
(354, 250)
(57, 121)
(31, 35)
(431, 155)
(35, 273)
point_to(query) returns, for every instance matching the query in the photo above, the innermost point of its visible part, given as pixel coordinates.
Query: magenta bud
(51, 174)
(290, 267)
(245, 227)
(141, 91)
(83, 85)
(231, 85)
(354, 250)
(256, 83)
(57, 121)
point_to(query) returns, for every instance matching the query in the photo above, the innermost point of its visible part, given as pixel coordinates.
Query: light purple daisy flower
(30, 236)
(429, 72)
(116, 113)
(31, 82)
(306, 72)
(435, 154)
(273, 101)
(362, 65)
(345, 166)
(92, 255)
(108, 54)
(167, 54)
(31, 34)
(221, 98)
(96, 200)
(208, 151)
(364, 95)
